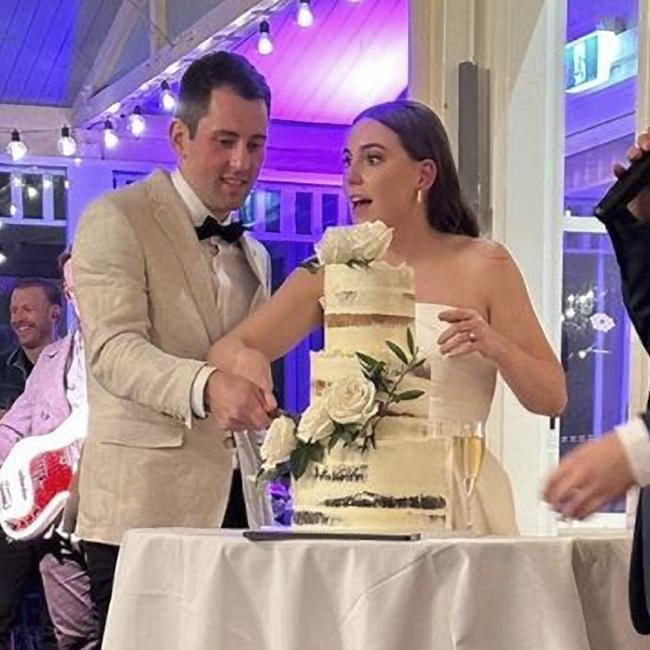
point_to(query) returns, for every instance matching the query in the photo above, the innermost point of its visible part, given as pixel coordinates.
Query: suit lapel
(173, 218)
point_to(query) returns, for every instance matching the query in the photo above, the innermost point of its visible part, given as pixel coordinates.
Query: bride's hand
(468, 333)
(253, 365)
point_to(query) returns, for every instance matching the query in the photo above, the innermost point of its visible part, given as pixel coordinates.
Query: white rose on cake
(365, 241)
(371, 240)
(280, 441)
(315, 423)
(351, 400)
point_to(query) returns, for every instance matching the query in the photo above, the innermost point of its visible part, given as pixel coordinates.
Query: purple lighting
(353, 56)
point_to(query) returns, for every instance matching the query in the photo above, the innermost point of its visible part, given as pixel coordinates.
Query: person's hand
(469, 332)
(236, 403)
(253, 365)
(589, 477)
(640, 206)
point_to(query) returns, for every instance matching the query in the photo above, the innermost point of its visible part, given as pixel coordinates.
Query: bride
(473, 314)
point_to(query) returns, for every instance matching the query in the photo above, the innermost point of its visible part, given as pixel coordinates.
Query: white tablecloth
(196, 590)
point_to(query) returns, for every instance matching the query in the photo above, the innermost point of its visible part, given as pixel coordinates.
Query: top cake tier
(365, 307)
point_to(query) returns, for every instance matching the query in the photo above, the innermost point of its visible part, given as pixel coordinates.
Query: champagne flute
(469, 449)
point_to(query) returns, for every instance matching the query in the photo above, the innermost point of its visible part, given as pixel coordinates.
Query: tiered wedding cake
(365, 456)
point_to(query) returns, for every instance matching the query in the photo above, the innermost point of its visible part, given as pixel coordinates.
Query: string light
(16, 148)
(167, 97)
(114, 108)
(136, 123)
(264, 42)
(110, 139)
(305, 17)
(66, 145)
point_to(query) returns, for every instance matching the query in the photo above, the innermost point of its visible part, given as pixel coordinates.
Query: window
(601, 67)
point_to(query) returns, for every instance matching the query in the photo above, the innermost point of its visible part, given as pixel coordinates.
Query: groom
(161, 275)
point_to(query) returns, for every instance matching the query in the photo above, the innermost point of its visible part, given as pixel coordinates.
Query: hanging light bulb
(167, 97)
(264, 42)
(136, 123)
(305, 17)
(110, 139)
(66, 145)
(16, 148)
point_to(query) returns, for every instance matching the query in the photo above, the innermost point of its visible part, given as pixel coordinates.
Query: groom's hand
(236, 403)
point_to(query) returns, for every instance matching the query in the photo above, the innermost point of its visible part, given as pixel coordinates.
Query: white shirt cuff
(635, 439)
(198, 389)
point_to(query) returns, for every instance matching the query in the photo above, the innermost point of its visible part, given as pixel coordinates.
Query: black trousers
(101, 559)
(19, 575)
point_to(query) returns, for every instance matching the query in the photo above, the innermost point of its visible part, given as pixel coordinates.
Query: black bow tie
(230, 233)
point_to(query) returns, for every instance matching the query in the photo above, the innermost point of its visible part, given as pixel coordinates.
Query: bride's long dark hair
(423, 136)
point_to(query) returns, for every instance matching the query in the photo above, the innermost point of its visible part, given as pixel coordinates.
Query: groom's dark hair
(218, 70)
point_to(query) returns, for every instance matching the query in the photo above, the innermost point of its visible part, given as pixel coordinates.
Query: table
(180, 589)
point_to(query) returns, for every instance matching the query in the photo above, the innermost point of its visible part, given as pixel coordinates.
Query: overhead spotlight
(67, 145)
(136, 123)
(305, 17)
(16, 148)
(264, 42)
(167, 97)
(110, 139)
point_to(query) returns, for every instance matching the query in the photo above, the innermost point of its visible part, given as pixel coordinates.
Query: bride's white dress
(462, 390)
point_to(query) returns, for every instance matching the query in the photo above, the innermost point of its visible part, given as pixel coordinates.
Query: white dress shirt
(635, 438)
(75, 374)
(235, 282)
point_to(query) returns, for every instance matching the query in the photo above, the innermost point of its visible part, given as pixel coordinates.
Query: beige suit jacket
(148, 308)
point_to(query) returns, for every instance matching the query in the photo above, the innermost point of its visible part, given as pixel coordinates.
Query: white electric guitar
(35, 478)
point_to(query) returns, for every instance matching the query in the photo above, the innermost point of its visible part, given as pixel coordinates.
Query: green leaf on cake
(304, 454)
(410, 341)
(397, 351)
(407, 395)
(358, 263)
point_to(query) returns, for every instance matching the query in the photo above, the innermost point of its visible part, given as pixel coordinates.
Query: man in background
(35, 312)
(55, 390)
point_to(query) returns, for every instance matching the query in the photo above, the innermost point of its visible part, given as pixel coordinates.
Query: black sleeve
(631, 242)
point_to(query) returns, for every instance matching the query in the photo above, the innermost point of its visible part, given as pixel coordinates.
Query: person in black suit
(597, 472)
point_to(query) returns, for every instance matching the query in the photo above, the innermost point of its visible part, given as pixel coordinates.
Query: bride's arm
(273, 329)
(524, 356)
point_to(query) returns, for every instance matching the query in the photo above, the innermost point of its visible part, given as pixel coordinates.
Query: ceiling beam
(111, 50)
(224, 20)
(158, 20)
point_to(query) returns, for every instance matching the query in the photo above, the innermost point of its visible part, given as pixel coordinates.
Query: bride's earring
(418, 196)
